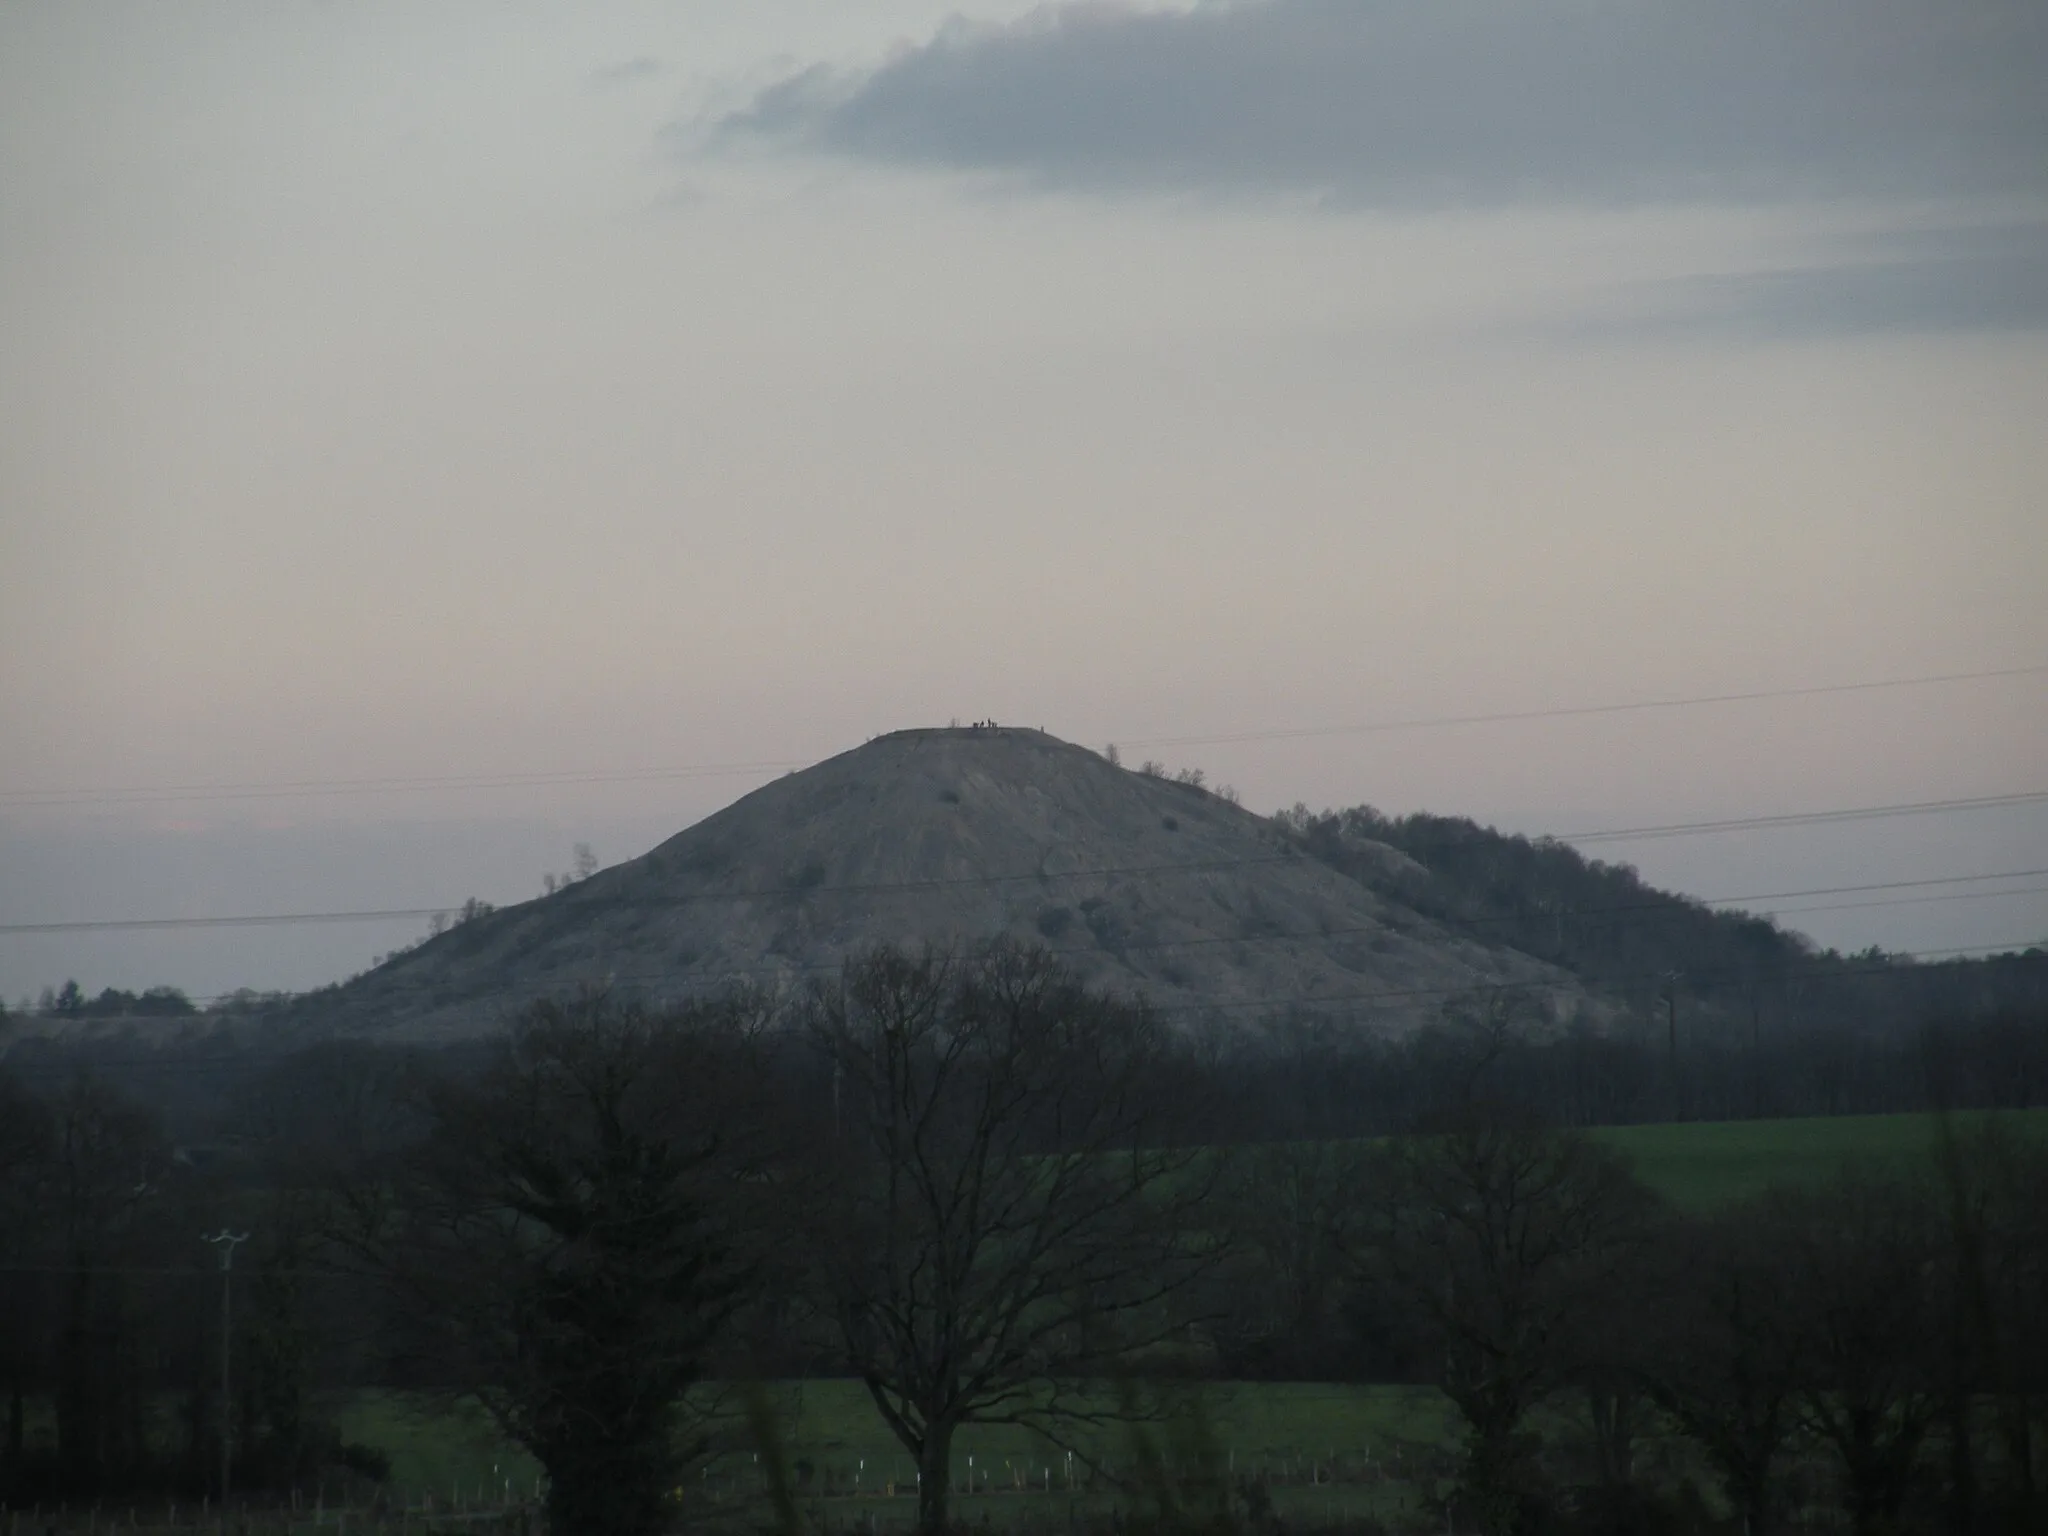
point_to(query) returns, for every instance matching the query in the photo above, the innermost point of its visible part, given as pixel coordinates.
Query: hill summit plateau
(1143, 884)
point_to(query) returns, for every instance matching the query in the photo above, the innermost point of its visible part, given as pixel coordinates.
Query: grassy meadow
(1329, 1452)
(1695, 1166)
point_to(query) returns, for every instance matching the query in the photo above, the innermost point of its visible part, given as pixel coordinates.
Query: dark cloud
(1991, 278)
(1381, 101)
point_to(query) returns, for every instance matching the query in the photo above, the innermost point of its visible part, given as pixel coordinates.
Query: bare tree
(1868, 1311)
(557, 1245)
(1003, 1216)
(26, 1132)
(1995, 1188)
(1293, 1209)
(1459, 1055)
(333, 1107)
(26, 1137)
(1722, 1356)
(1495, 1241)
(108, 1162)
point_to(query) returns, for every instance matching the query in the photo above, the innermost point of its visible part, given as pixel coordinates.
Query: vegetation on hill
(1545, 898)
(71, 1002)
(1651, 948)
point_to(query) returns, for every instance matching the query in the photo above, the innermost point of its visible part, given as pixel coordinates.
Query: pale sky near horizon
(476, 392)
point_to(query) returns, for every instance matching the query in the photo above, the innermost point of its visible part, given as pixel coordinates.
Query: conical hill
(1143, 884)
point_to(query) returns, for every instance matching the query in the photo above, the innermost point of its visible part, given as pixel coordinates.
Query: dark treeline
(993, 1195)
(1963, 1035)
(1870, 1354)
(1306, 1075)
(1727, 967)
(71, 1002)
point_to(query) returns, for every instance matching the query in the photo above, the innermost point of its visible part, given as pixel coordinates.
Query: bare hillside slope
(935, 835)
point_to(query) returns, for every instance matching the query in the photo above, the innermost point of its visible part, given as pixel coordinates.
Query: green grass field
(1285, 1427)
(1291, 1430)
(1327, 1452)
(1695, 1166)
(435, 1449)
(1295, 1432)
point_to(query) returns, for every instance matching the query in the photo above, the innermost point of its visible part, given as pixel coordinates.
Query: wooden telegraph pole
(226, 1242)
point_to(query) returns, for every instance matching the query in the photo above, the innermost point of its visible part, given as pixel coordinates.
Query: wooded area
(993, 1196)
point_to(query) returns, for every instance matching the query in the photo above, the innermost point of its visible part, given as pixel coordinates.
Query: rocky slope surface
(1143, 884)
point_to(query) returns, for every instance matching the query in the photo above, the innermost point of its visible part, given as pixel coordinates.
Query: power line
(1888, 967)
(1673, 903)
(1806, 818)
(251, 920)
(876, 887)
(122, 1269)
(269, 789)
(393, 914)
(1907, 901)
(1427, 722)
(1670, 906)
(1660, 905)
(1663, 905)
(335, 1272)
(1876, 885)
(35, 798)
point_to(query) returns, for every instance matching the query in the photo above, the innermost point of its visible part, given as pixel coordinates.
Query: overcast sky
(436, 435)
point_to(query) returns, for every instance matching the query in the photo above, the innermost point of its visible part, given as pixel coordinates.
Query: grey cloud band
(1405, 101)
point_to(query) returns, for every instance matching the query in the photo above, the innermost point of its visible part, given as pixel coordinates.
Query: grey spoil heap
(955, 835)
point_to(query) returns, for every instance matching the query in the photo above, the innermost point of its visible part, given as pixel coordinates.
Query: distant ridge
(1143, 884)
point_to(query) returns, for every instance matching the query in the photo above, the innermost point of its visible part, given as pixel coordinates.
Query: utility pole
(1671, 980)
(226, 1242)
(1756, 1051)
